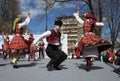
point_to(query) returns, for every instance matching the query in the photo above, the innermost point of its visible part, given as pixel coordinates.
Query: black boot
(57, 67)
(15, 66)
(87, 68)
(49, 66)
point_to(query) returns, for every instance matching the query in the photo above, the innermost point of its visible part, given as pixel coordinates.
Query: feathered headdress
(17, 20)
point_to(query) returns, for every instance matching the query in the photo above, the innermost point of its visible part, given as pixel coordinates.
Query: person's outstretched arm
(77, 16)
(26, 22)
(42, 36)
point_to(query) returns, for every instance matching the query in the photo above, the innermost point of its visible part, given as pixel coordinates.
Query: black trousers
(41, 53)
(56, 55)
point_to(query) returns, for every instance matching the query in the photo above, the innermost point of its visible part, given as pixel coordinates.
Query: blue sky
(38, 18)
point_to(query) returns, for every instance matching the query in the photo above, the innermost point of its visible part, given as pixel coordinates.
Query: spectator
(110, 56)
(72, 50)
(41, 49)
(117, 58)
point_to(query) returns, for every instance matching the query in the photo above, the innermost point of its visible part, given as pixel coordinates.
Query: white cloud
(36, 6)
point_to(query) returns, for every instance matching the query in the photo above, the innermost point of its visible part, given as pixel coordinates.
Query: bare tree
(112, 16)
(8, 9)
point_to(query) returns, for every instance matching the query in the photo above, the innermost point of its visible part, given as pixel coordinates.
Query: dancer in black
(56, 55)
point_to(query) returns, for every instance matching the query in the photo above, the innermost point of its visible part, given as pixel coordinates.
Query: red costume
(32, 48)
(90, 44)
(53, 37)
(6, 47)
(89, 38)
(6, 44)
(18, 44)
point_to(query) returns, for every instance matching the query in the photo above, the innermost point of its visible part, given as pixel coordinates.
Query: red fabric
(18, 31)
(33, 48)
(87, 26)
(88, 61)
(29, 56)
(89, 16)
(5, 56)
(6, 45)
(78, 49)
(31, 35)
(88, 37)
(41, 46)
(110, 54)
(53, 37)
(18, 42)
(31, 45)
(28, 42)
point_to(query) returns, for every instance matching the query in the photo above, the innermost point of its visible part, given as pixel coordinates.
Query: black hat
(58, 22)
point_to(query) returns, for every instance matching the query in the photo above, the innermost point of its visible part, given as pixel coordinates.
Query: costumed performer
(18, 45)
(53, 51)
(6, 47)
(90, 44)
(32, 48)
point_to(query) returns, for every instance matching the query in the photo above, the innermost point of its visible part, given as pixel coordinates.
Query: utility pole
(46, 14)
(46, 9)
